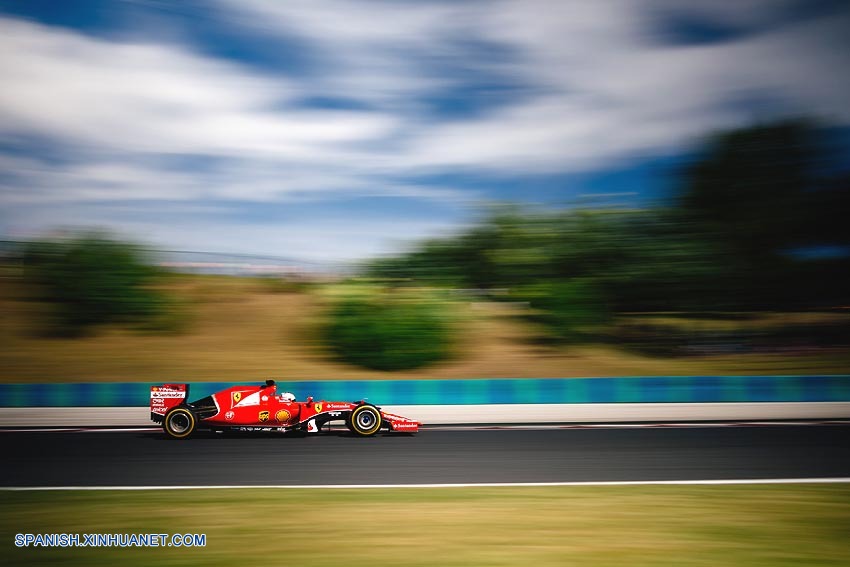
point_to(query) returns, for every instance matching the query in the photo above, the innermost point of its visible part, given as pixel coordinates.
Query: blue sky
(336, 130)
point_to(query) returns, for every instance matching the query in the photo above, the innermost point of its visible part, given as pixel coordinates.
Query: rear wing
(165, 397)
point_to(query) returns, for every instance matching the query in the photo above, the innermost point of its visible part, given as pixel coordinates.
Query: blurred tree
(748, 229)
(757, 195)
(92, 279)
(388, 330)
(573, 309)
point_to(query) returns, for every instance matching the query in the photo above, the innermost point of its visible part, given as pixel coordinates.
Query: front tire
(179, 423)
(365, 420)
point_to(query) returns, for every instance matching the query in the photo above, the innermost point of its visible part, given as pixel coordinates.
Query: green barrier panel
(649, 389)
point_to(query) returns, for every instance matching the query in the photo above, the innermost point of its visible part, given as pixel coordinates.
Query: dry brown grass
(244, 329)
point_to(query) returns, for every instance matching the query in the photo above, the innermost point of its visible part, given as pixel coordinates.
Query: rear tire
(179, 423)
(365, 421)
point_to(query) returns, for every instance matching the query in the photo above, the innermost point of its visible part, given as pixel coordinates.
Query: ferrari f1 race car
(260, 408)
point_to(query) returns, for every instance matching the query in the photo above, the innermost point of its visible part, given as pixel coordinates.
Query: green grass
(771, 525)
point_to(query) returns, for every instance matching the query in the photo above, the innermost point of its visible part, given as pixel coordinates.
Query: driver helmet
(287, 397)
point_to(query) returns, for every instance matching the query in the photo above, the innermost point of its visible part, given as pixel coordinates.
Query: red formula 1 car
(260, 408)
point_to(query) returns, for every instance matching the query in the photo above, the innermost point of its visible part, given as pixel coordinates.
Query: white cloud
(160, 99)
(594, 84)
(611, 90)
(369, 49)
(600, 84)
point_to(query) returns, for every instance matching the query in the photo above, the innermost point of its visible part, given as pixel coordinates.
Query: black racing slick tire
(179, 423)
(365, 420)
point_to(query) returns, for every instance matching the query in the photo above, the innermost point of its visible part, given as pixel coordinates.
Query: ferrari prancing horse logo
(264, 416)
(318, 408)
(236, 397)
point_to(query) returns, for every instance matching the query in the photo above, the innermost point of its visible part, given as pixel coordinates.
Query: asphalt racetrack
(147, 458)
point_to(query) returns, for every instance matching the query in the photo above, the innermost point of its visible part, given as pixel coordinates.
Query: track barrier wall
(469, 392)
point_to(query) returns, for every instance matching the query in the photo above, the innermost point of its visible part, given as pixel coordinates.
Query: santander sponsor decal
(160, 396)
(168, 394)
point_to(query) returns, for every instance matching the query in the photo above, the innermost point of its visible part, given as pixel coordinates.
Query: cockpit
(284, 397)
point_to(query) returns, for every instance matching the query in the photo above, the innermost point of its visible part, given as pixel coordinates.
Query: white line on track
(836, 480)
(633, 425)
(80, 429)
(39, 430)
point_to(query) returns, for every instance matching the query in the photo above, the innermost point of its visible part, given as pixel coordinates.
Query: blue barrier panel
(641, 389)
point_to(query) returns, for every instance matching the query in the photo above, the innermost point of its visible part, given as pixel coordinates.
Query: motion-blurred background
(249, 189)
